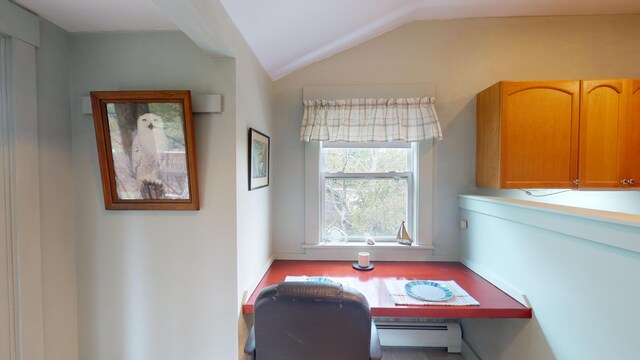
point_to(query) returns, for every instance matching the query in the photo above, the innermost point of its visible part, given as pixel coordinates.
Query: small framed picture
(146, 149)
(259, 148)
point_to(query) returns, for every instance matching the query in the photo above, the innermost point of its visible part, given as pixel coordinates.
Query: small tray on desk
(358, 267)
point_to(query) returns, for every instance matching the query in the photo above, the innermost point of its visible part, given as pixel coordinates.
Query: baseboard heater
(421, 334)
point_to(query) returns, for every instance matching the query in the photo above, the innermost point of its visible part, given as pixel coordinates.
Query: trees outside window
(367, 190)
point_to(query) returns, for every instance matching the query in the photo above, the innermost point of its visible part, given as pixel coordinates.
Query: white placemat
(342, 281)
(400, 297)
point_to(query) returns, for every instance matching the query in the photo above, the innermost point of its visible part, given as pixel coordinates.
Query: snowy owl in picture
(147, 149)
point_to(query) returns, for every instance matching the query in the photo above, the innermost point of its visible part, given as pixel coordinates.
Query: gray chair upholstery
(312, 321)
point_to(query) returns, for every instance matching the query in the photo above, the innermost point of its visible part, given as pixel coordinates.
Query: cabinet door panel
(602, 110)
(539, 134)
(632, 136)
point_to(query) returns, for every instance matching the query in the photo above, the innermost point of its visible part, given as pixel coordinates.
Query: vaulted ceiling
(287, 35)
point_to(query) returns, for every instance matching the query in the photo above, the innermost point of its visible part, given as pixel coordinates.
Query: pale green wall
(254, 108)
(210, 26)
(57, 218)
(164, 272)
(42, 199)
(461, 57)
(583, 292)
(151, 284)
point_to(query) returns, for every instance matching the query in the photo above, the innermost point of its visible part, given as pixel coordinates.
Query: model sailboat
(403, 237)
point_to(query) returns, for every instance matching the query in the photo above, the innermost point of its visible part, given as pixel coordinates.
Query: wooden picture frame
(259, 150)
(146, 149)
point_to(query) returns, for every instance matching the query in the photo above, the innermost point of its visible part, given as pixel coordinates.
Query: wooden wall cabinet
(527, 135)
(631, 129)
(603, 110)
(558, 134)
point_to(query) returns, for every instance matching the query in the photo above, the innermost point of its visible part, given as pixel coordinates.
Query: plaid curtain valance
(362, 120)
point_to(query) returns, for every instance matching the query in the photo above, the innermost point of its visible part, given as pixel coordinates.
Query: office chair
(312, 321)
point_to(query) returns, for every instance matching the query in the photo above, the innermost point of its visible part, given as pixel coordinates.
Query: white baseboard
(246, 293)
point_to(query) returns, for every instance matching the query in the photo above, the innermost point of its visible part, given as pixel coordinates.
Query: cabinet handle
(631, 182)
(624, 181)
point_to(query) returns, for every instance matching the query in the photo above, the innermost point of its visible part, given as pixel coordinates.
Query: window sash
(365, 176)
(368, 175)
(408, 175)
(411, 158)
(366, 145)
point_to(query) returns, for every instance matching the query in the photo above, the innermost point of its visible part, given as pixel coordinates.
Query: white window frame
(409, 175)
(424, 177)
(424, 198)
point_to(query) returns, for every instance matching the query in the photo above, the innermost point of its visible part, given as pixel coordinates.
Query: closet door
(6, 267)
(602, 111)
(7, 310)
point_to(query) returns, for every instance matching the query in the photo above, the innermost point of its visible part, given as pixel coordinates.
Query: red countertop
(494, 303)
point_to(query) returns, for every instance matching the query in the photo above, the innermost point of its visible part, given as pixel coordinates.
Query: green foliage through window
(366, 192)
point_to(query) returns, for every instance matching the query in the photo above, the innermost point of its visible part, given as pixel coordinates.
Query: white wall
(156, 284)
(254, 208)
(209, 25)
(57, 220)
(461, 57)
(583, 292)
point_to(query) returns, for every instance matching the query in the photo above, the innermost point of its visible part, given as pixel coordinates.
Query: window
(367, 190)
(367, 198)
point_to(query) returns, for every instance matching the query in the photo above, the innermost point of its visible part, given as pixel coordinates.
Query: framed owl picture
(146, 149)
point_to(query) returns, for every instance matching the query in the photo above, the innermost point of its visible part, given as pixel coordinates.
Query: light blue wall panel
(584, 293)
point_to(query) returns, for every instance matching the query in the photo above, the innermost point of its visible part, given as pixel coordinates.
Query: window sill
(379, 252)
(362, 245)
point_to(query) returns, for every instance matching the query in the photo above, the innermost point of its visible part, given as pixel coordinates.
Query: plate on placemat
(428, 290)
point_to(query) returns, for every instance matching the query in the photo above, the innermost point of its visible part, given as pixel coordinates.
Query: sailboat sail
(403, 237)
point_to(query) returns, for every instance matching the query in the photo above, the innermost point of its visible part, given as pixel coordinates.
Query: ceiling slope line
(391, 21)
(188, 19)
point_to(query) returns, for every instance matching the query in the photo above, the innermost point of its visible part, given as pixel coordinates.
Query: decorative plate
(428, 290)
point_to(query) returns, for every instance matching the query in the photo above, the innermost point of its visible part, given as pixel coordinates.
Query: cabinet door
(631, 131)
(602, 110)
(539, 134)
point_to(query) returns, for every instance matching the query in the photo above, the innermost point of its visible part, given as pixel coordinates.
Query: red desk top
(493, 302)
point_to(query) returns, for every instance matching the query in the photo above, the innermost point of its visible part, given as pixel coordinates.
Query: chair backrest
(312, 321)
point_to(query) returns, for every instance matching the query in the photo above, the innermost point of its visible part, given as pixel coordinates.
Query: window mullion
(387, 175)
